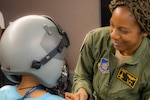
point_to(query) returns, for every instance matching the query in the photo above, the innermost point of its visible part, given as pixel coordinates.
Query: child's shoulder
(7, 87)
(53, 97)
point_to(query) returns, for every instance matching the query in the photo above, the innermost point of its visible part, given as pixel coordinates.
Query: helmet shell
(26, 40)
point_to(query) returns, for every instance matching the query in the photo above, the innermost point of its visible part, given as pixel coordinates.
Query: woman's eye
(124, 31)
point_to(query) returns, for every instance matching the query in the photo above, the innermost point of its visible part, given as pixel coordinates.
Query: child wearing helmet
(32, 54)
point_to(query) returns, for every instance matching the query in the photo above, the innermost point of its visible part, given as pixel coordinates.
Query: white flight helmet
(34, 45)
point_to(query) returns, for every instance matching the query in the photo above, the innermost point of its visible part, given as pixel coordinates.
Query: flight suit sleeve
(85, 68)
(84, 72)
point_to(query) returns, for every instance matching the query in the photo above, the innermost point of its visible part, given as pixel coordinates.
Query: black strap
(63, 43)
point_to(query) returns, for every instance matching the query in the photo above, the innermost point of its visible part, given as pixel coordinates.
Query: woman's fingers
(70, 96)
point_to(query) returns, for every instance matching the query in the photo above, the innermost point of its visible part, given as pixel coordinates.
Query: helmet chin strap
(63, 43)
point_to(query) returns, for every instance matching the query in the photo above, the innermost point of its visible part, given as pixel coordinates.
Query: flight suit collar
(138, 55)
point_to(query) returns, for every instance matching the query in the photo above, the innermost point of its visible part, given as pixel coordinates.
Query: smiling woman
(140, 10)
(114, 61)
(125, 31)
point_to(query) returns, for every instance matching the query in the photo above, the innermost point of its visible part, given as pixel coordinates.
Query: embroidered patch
(127, 77)
(104, 66)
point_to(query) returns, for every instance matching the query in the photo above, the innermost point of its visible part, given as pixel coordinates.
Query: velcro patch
(104, 65)
(127, 77)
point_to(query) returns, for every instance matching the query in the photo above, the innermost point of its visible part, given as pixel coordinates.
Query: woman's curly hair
(139, 8)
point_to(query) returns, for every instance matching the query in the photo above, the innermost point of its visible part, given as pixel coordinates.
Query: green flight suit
(98, 73)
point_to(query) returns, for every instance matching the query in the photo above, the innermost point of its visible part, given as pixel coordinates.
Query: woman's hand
(83, 94)
(71, 96)
(80, 95)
